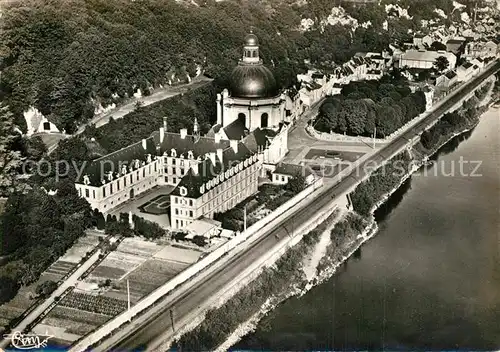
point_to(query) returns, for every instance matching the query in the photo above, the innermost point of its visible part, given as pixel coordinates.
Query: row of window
(180, 200)
(237, 179)
(118, 183)
(215, 204)
(182, 212)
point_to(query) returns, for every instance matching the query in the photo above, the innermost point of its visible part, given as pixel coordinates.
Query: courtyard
(153, 205)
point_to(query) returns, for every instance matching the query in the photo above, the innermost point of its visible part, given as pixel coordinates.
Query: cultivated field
(71, 322)
(146, 265)
(25, 297)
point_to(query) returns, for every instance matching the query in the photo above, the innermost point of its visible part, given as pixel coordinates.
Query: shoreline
(368, 233)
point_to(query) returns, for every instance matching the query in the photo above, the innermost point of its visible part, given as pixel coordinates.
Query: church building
(210, 173)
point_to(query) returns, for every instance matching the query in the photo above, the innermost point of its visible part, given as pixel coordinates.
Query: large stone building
(425, 59)
(210, 173)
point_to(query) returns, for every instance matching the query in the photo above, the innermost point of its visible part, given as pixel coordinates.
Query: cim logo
(27, 341)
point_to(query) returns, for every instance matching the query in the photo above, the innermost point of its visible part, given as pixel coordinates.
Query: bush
(46, 288)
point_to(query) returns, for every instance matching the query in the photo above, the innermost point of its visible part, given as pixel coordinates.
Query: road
(122, 110)
(159, 328)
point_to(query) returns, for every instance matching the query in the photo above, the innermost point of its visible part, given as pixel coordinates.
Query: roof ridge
(119, 150)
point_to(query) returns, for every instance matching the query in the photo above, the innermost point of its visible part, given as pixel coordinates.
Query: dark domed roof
(252, 81)
(251, 39)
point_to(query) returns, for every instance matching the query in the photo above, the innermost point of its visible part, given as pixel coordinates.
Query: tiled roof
(98, 169)
(199, 146)
(206, 171)
(450, 74)
(236, 130)
(467, 65)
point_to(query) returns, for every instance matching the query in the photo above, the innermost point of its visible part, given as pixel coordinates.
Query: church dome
(251, 39)
(252, 81)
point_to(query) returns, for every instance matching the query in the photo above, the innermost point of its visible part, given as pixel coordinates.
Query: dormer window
(190, 154)
(86, 180)
(173, 153)
(183, 191)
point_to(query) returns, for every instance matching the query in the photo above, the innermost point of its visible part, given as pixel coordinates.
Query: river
(429, 279)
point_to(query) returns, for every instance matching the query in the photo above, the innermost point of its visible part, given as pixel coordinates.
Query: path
(159, 94)
(311, 264)
(155, 327)
(71, 281)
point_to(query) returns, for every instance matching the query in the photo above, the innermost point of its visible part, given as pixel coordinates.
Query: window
(242, 118)
(104, 191)
(264, 119)
(137, 175)
(175, 180)
(190, 202)
(190, 213)
(124, 182)
(118, 185)
(93, 193)
(155, 167)
(182, 162)
(176, 223)
(176, 200)
(174, 171)
(87, 195)
(131, 181)
(176, 211)
(144, 172)
(111, 188)
(166, 179)
(173, 161)
(149, 170)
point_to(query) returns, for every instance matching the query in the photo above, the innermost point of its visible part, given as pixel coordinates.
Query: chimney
(217, 137)
(144, 144)
(212, 156)
(195, 168)
(220, 155)
(184, 133)
(234, 145)
(162, 134)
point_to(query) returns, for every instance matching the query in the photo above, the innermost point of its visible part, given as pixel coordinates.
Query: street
(157, 328)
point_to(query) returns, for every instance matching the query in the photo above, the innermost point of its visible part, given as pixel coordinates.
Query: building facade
(210, 173)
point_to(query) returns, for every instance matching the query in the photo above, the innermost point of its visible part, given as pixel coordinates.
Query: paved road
(160, 324)
(122, 110)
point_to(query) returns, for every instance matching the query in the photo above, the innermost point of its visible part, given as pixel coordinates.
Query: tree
(437, 46)
(8, 289)
(10, 160)
(46, 288)
(297, 183)
(441, 63)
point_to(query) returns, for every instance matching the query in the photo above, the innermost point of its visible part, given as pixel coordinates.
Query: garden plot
(129, 255)
(80, 248)
(176, 254)
(146, 278)
(72, 321)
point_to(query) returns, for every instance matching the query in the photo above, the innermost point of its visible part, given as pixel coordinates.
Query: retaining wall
(247, 237)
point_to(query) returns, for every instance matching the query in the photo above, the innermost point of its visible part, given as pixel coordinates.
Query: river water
(429, 279)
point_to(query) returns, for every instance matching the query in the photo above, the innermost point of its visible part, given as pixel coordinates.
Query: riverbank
(350, 240)
(225, 325)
